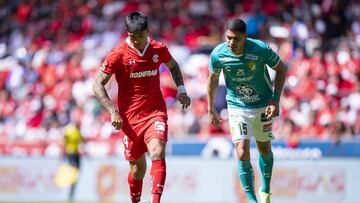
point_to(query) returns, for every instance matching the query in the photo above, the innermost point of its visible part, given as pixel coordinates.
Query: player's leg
(245, 170)
(266, 162)
(74, 160)
(263, 136)
(134, 150)
(156, 148)
(155, 138)
(135, 178)
(241, 129)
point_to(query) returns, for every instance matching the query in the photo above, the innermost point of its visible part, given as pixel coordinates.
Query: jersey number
(243, 128)
(126, 141)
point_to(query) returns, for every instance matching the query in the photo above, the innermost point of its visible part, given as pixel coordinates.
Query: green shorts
(245, 123)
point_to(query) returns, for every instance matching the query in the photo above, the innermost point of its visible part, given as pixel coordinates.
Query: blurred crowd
(50, 51)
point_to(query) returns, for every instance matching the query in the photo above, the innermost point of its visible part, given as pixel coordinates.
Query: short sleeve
(165, 54)
(214, 65)
(111, 62)
(270, 57)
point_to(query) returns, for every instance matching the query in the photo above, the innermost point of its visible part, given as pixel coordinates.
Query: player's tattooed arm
(175, 72)
(98, 87)
(101, 79)
(183, 98)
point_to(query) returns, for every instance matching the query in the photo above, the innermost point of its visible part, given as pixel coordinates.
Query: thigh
(240, 125)
(133, 140)
(157, 128)
(262, 127)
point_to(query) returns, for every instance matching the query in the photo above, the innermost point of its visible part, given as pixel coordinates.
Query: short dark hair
(136, 22)
(236, 25)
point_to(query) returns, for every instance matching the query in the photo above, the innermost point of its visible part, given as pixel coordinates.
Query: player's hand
(184, 99)
(214, 119)
(272, 110)
(116, 120)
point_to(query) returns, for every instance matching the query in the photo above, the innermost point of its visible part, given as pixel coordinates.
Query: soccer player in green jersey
(252, 100)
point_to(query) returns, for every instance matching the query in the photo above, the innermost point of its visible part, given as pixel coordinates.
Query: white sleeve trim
(275, 65)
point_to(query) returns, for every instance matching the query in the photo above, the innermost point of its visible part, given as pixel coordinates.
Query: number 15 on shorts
(239, 129)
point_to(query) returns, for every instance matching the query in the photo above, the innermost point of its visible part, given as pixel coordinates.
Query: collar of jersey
(141, 54)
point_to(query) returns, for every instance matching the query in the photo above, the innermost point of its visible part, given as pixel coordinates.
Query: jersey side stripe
(267, 79)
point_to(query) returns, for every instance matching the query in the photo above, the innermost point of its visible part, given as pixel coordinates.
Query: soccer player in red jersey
(141, 112)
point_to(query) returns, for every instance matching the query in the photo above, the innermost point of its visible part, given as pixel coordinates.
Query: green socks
(246, 175)
(266, 165)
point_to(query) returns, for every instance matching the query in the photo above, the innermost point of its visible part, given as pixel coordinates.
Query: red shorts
(136, 136)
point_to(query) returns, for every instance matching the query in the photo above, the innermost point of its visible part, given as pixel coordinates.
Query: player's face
(235, 41)
(138, 39)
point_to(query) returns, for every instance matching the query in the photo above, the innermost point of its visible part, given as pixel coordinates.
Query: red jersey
(138, 78)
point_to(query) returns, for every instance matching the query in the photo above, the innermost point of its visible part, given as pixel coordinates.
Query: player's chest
(134, 60)
(145, 66)
(240, 67)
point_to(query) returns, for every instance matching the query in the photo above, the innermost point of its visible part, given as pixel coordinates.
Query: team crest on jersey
(155, 58)
(252, 65)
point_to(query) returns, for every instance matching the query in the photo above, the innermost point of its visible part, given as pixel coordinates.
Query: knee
(137, 171)
(265, 149)
(157, 152)
(243, 154)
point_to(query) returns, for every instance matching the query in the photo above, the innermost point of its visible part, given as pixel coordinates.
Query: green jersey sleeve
(214, 65)
(270, 57)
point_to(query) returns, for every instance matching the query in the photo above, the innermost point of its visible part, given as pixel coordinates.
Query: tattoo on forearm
(100, 91)
(176, 74)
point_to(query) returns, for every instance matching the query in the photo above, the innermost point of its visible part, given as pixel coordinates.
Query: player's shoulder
(219, 49)
(156, 44)
(119, 48)
(255, 44)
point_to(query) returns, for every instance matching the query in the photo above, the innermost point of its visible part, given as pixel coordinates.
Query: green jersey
(246, 76)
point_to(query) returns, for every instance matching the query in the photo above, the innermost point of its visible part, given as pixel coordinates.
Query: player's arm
(178, 79)
(279, 79)
(273, 109)
(101, 79)
(213, 84)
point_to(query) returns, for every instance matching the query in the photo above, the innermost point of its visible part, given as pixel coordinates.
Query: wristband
(181, 89)
(276, 96)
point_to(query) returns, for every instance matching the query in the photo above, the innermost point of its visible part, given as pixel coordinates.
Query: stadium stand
(50, 51)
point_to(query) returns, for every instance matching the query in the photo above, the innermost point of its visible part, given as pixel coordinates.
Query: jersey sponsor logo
(247, 94)
(155, 58)
(227, 68)
(240, 72)
(267, 128)
(159, 126)
(245, 79)
(143, 74)
(252, 65)
(251, 57)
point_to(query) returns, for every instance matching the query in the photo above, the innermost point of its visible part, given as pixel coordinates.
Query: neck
(239, 52)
